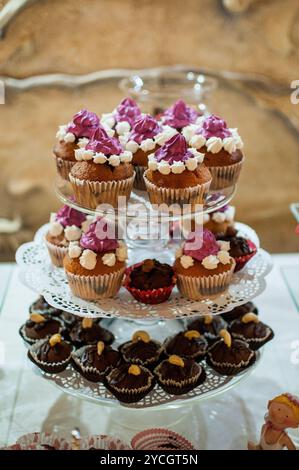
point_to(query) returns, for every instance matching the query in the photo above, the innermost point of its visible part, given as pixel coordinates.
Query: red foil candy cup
(242, 260)
(154, 296)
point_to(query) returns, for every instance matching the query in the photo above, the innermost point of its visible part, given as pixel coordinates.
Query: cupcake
(130, 383)
(178, 376)
(175, 174)
(187, 344)
(42, 307)
(95, 265)
(103, 171)
(222, 147)
(150, 281)
(72, 136)
(39, 327)
(141, 142)
(51, 355)
(203, 268)
(66, 226)
(88, 331)
(218, 221)
(141, 350)
(209, 326)
(239, 311)
(179, 115)
(123, 117)
(250, 329)
(95, 361)
(240, 248)
(229, 356)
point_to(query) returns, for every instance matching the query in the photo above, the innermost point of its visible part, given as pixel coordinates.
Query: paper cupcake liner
(192, 195)
(154, 296)
(51, 368)
(242, 260)
(225, 176)
(30, 341)
(174, 387)
(197, 288)
(131, 395)
(139, 180)
(57, 253)
(160, 439)
(64, 167)
(227, 368)
(255, 343)
(89, 372)
(95, 287)
(93, 193)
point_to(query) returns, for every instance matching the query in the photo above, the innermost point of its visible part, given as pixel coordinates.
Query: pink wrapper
(64, 167)
(96, 287)
(160, 439)
(225, 176)
(57, 253)
(93, 193)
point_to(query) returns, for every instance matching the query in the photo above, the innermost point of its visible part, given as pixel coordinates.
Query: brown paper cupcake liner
(174, 387)
(225, 176)
(51, 368)
(57, 253)
(197, 288)
(89, 372)
(227, 368)
(93, 193)
(96, 287)
(64, 167)
(192, 195)
(131, 395)
(139, 180)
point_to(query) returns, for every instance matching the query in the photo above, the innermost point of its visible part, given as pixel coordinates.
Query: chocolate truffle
(187, 344)
(88, 331)
(209, 326)
(141, 350)
(239, 311)
(39, 327)
(130, 383)
(51, 355)
(250, 329)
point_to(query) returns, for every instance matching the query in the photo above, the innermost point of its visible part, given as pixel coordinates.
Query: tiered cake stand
(123, 314)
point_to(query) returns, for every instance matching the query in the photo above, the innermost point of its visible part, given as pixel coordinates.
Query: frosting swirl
(127, 110)
(174, 150)
(83, 124)
(214, 126)
(68, 216)
(206, 241)
(146, 127)
(96, 238)
(179, 115)
(101, 142)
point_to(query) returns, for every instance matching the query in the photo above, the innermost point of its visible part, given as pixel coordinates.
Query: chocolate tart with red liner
(239, 311)
(130, 383)
(39, 327)
(187, 344)
(95, 361)
(52, 354)
(141, 350)
(88, 331)
(42, 307)
(178, 376)
(150, 281)
(230, 356)
(250, 329)
(241, 249)
(209, 326)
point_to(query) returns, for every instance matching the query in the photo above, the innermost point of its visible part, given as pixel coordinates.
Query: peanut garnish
(55, 339)
(176, 360)
(226, 337)
(141, 336)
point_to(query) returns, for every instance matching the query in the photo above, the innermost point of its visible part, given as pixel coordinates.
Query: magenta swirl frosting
(200, 244)
(127, 110)
(101, 142)
(146, 127)
(97, 238)
(84, 124)
(67, 216)
(174, 150)
(179, 115)
(214, 126)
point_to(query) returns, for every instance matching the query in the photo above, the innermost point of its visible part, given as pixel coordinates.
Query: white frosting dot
(187, 261)
(109, 259)
(152, 165)
(191, 164)
(126, 156)
(132, 146)
(60, 134)
(223, 245)
(229, 144)
(230, 213)
(69, 137)
(122, 252)
(87, 154)
(197, 141)
(79, 154)
(83, 142)
(189, 131)
(147, 145)
(206, 218)
(218, 217)
(177, 167)
(114, 160)
(72, 233)
(223, 257)
(100, 158)
(210, 262)
(110, 132)
(108, 120)
(214, 144)
(88, 259)
(166, 133)
(164, 168)
(198, 155)
(122, 127)
(85, 225)
(74, 250)
(55, 229)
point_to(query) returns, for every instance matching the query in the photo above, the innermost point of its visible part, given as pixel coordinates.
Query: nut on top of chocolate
(151, 274)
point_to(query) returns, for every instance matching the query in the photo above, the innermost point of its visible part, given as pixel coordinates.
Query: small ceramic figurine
(283, 413)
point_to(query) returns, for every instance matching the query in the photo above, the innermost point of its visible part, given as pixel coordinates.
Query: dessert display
(141, 350)
(95, 361)
(203, 266)
(72, 136)
(230, 356)
(220, 220)
(102, 172)
(178, 376)
(209, 326)
(150, 281)
(88, 331)
(176, 174)
(130, 383)
(95, 266)
(251, 329)
(66, 226)
(52, 354)
(239, 311)
(241, 249)
(222, 147)
(187, 344)
(38, 327)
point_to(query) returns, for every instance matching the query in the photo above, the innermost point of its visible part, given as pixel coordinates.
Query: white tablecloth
(29, 403)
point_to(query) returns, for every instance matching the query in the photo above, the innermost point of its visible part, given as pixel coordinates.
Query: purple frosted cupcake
(179, 115)
(123, 117)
